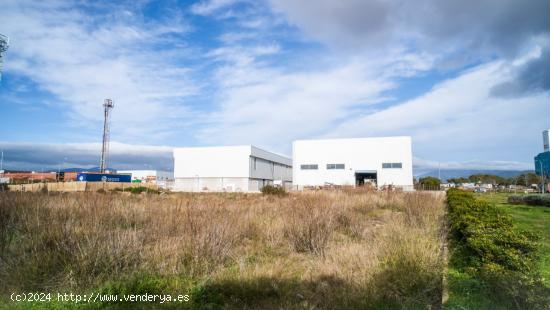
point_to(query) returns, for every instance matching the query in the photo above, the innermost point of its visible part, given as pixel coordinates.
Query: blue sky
(468, 80)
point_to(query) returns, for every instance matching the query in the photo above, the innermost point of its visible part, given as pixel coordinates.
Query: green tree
(526, 179)
(488, 179)
(430, 183)
(458, 180)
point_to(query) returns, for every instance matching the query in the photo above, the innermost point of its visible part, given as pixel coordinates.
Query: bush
(489, 247)
(532, 200)
(309, 228)
(273, 190)
(430, 183)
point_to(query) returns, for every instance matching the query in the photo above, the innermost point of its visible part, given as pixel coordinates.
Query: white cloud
(207, 7)
(82, 60)
(264, 105)
(459, 119)
(469, 26)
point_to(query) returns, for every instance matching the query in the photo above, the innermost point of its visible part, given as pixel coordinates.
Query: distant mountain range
(93, 169)
(464, 173)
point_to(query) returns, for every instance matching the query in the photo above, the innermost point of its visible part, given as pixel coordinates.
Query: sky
(469, 80)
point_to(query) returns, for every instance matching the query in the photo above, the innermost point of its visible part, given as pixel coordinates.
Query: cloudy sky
(469, 80)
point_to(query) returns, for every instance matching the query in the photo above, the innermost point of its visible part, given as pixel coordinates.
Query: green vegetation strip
(531, 200)
(493, 264)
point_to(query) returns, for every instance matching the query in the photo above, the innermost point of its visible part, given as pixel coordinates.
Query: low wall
(77, 186)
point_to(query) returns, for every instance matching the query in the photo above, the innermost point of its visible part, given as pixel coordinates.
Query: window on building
(309, 167)
(392, 165)
(335, 166)
(254, 163)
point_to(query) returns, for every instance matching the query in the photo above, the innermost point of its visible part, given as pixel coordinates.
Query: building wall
(268, 170)
(24, 177)
(228, 168)
(212, 162)
(542, 164)
(211, 184)
(357, 155)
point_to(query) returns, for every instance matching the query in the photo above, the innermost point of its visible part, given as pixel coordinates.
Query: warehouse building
(229, 168)
(380, 162)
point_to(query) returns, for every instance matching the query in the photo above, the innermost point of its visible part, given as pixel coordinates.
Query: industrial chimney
(546, 140)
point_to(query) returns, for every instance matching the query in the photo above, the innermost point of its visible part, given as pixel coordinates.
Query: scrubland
(323, 249)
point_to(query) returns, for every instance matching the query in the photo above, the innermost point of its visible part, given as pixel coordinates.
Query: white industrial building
(229, 168)
(384, 161)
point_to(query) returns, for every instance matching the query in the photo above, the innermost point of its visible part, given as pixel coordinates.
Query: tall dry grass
(325, 249)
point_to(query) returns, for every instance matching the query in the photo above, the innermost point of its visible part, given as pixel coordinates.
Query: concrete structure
(229, 168)
(542, 160)
(378, 161)
(149, 176)
(542, 164)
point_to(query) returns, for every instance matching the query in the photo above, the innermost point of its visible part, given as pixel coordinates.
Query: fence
(77, 186)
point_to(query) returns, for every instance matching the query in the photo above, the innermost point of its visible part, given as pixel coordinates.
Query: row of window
(336, 166)
(392, 165)
(309, 167)
(329, 167)
(342, 166)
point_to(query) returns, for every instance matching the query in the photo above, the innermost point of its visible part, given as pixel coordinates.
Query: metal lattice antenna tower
(4, 44)
(108, 105)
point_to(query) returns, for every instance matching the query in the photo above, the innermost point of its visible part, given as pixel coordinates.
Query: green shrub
(525, 290)
(273, 190)
(489, 247)
(532, 200)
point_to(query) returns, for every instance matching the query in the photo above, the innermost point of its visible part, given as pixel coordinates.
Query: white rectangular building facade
(380, 161)
(229, 168)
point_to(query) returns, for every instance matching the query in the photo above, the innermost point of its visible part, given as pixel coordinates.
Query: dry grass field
(332, 249)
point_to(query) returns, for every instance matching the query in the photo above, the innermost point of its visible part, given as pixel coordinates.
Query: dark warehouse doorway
(363, 178)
